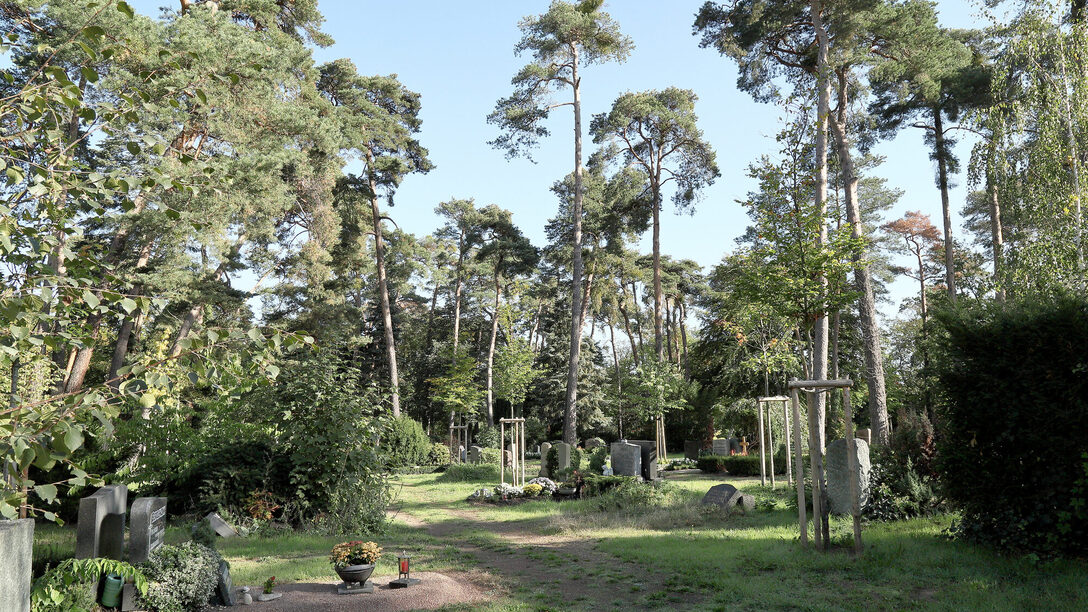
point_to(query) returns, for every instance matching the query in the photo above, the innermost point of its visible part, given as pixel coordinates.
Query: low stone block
(16, 555)
(223, 588)
(727, 497)
(221, 527)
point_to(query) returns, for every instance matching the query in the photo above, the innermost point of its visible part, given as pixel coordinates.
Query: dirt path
(556, 571)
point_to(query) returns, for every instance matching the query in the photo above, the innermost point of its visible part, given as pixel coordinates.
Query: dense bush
(596, 485)
(1011, 425)
(181, 578)
(597, 459)
(740, 465)
(488, 437)
(440, 454)
(897, 490)
(467, 472)
(224, 476)
(405, 443)
(490, 456)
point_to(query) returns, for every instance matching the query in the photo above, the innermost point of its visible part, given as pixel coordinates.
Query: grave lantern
(404, 579)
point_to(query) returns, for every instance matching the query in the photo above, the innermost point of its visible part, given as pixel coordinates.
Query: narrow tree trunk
(667, 324)
(998, 239)
(457, 296)
(870, 327)
(684, 338)
(383, 290)
(627, 323)
(659, 349)
(941, 149)
(817, 408)
(570, 409)
(491, 354)
(638, 315)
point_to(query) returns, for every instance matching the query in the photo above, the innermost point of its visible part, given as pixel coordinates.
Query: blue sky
(459, 57)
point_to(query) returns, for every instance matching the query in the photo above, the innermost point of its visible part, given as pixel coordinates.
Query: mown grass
(734, 562)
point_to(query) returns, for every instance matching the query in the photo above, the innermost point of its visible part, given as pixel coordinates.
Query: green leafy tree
(562, 41)
(656, 131)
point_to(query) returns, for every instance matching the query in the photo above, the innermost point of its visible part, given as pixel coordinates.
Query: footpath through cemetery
(322, 305)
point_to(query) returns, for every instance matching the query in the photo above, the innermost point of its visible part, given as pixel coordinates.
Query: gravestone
(544, 448)
(626, 459)
(147, 521)
(727, 497)
(475, 454)
(838, 476)
(592, 443)
(506, 458)
(221, 528)
(720, 446)
(461, 453)
(100, 524)
(562, 455)
(865, 434)
(649, 458)
(223, 588)
(691, 449)
(16, 556)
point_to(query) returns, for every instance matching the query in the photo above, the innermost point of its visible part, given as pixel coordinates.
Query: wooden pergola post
(798, 464)
(764, 403)
(517, 457)
(762, 450)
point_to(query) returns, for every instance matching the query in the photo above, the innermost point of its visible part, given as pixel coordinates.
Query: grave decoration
(354, 563)
(404, 568)
(821, 528)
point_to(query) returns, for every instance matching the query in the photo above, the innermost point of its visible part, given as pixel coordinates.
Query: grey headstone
(626, 459)
(562, 455)
(735, 447)
(838, 476)
(727, 497)
(506, 458)
(544, 448)
(462, 453)
(100, 524)
(691, 449)
(649, 458)
(592, 443)
(224, 589)
(865, 434)
(147, 521)
(475, 454)
(221, 527)
(129, 597)
(720, 446)
(16, 556)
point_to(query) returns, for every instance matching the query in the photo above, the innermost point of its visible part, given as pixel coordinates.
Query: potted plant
(268, 595)
(354, 561)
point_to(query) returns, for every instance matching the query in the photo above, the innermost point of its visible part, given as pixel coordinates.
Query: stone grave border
(819, 514)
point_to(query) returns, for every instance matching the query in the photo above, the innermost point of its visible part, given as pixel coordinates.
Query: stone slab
(691, 449)
(221, 527)
(649, 458)
(403, 583)
(224, 589)
(626, 459)
(838, 476)
(544, 448)
(16, 557)
(562, 453)
(344, 589)
(147, 527)
(100, 524)
(727, 497)
(475, 454)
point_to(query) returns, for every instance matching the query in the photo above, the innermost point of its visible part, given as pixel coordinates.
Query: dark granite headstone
(148, 526)
(224, 589)
(100, 524)
(727, 497)
(626, 459)
(649, 458)
(691, 449)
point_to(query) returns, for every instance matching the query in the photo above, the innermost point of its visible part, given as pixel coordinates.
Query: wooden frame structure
(816, 452)
(662, 455)
(458, 440)
(762, 404)
(517, 458)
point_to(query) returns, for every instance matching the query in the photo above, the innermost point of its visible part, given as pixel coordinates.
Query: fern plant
(70, 586)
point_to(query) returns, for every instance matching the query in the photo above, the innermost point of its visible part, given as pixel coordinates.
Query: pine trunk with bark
(570, 408)
(383, 291)
(941, 149)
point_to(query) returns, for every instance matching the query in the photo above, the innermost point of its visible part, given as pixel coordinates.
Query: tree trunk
(818, 356)
(998, 239)
(491, 354)
(941, 149)
(383, 290)
(870, 327)
(667, 324)
(659, 349)
(570, 409)
(684, 338)
(457, 297)
(627, 323)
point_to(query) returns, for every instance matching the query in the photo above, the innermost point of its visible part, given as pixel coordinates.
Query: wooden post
(502, 441)
(816, 459)
(762, 450)
(521, 428)
(786, 429)
(799, 477)
(770, 443)
(852, 466)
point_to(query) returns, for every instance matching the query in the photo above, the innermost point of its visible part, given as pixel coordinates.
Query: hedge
(1012, 452)
(740, 465)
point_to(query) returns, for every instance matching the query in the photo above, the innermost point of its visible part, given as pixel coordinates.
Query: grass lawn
(708, 560)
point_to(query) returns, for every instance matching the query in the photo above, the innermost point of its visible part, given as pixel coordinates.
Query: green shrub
(488, 437)
(47, 556)
(202, 533)
(897, 490)
(181, 578)
(1011, 441)
(597, 485)
(630, 494)
(597, 459)
(72, 585)
(440, 454)
(740, 465)
(490, 456)
(225, 475)
(552, 461)
(467, 472)
(405, 443)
